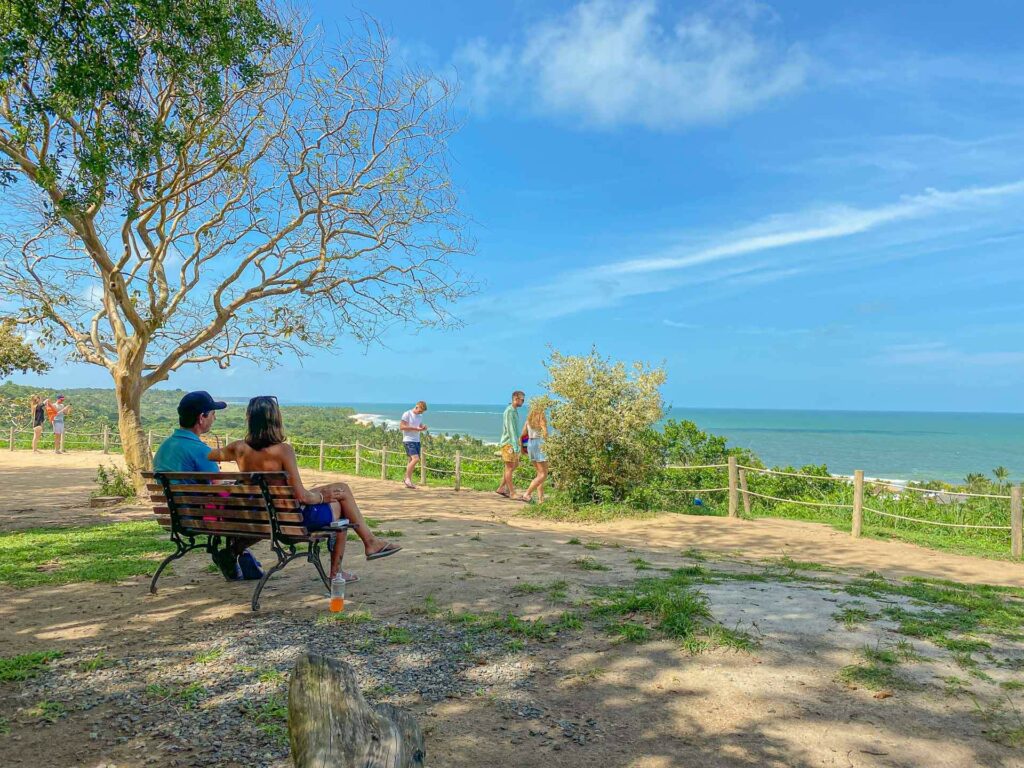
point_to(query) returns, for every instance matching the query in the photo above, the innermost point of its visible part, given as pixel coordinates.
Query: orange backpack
(51, 412)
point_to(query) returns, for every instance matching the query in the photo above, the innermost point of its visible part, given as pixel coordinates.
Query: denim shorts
(535, 449)
(412, 448)
(317, 516)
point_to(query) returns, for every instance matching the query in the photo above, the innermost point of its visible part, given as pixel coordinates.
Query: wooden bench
(198, 508)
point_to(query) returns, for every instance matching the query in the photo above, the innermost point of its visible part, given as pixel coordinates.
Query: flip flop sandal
(351, 578)
(389, 549)
(506, 495)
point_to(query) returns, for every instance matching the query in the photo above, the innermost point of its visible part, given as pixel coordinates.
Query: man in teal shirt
(509, 443)
(184, 451)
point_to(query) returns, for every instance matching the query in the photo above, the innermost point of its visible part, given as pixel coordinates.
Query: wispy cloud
(750, 256)
(814, 226)
(612, 62)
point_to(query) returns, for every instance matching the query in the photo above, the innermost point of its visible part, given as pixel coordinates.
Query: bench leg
(180, 551)
(314, 558)
(282, 561)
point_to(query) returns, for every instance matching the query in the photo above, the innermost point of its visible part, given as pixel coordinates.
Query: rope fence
(842, 492)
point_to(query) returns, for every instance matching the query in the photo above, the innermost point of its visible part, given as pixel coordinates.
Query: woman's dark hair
(263, 420)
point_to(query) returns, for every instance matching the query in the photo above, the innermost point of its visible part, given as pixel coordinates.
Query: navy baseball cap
(195, 403)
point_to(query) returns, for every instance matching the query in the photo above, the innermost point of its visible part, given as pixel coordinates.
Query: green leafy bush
(113, 481)
(603, 441)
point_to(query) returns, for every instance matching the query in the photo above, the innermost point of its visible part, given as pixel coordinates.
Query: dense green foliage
(603, 441)
(86, 61)
(16, 354)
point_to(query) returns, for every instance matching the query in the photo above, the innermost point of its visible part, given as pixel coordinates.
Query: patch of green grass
(574, 541)
(955, 686)
(1012, 685)
(640, 564)
(46, 711)
(104, 553)
(694, 554)
(391, 534)
(270, 718)
(568, 620)
(206, 657)
(515, 645)
(426, 520)
(158, 691)
(396, 635)
(379, 691)
(191, 694)
(557, 590)
(952, 614)
(593, 545)
(475, 537)
(428, 608)
(25, 666)
(630, 631)
(850, 616)
(563, 510)
(271, 675)
(798, 565)
(5, 727)
(99, 661)
(875, 677)
(527, 588)
(672, 606)
(212, 568)
(344, 617)
(589, 564)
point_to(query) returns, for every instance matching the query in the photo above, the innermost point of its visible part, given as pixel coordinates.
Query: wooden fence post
(321, 455)
(12, 438)
(743, 489)
(383, 461)
(1016, 521)
(423, 467)
(106, 438)
(358, 457)
(458, 470)
(733, 495)
(151, 442)
(858, 502)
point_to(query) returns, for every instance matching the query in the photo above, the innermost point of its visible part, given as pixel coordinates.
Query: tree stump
(331, 725)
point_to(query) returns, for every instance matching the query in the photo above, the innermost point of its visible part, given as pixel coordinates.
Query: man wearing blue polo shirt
(184, 451)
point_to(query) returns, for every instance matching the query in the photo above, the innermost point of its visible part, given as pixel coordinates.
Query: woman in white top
(536, 430)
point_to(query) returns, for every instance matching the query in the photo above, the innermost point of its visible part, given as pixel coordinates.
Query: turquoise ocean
(907, 446)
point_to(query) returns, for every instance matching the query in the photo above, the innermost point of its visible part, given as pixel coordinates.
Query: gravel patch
(224, 702)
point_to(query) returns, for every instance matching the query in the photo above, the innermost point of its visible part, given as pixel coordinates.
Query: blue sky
(791, 205)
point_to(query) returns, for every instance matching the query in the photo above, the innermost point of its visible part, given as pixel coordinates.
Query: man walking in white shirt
(412, 425)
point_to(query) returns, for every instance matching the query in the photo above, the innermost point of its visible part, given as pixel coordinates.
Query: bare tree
(311, 202)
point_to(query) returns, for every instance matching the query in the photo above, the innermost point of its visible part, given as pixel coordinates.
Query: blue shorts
(317, 516)
(412, 448)
(535, 449)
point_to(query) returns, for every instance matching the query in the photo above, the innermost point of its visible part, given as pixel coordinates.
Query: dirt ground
(584, 700)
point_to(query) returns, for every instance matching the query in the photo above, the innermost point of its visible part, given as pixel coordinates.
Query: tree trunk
(331, 725)
(128, 391)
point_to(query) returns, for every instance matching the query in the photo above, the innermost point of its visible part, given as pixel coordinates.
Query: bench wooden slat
(276, 477)
(216, 500)
(228, 526)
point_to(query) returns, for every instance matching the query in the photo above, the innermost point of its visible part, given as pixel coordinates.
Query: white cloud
(612, 62)
(814, 226)
(743, 259)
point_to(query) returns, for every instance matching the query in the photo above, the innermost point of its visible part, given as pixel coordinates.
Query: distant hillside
(92, 408)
